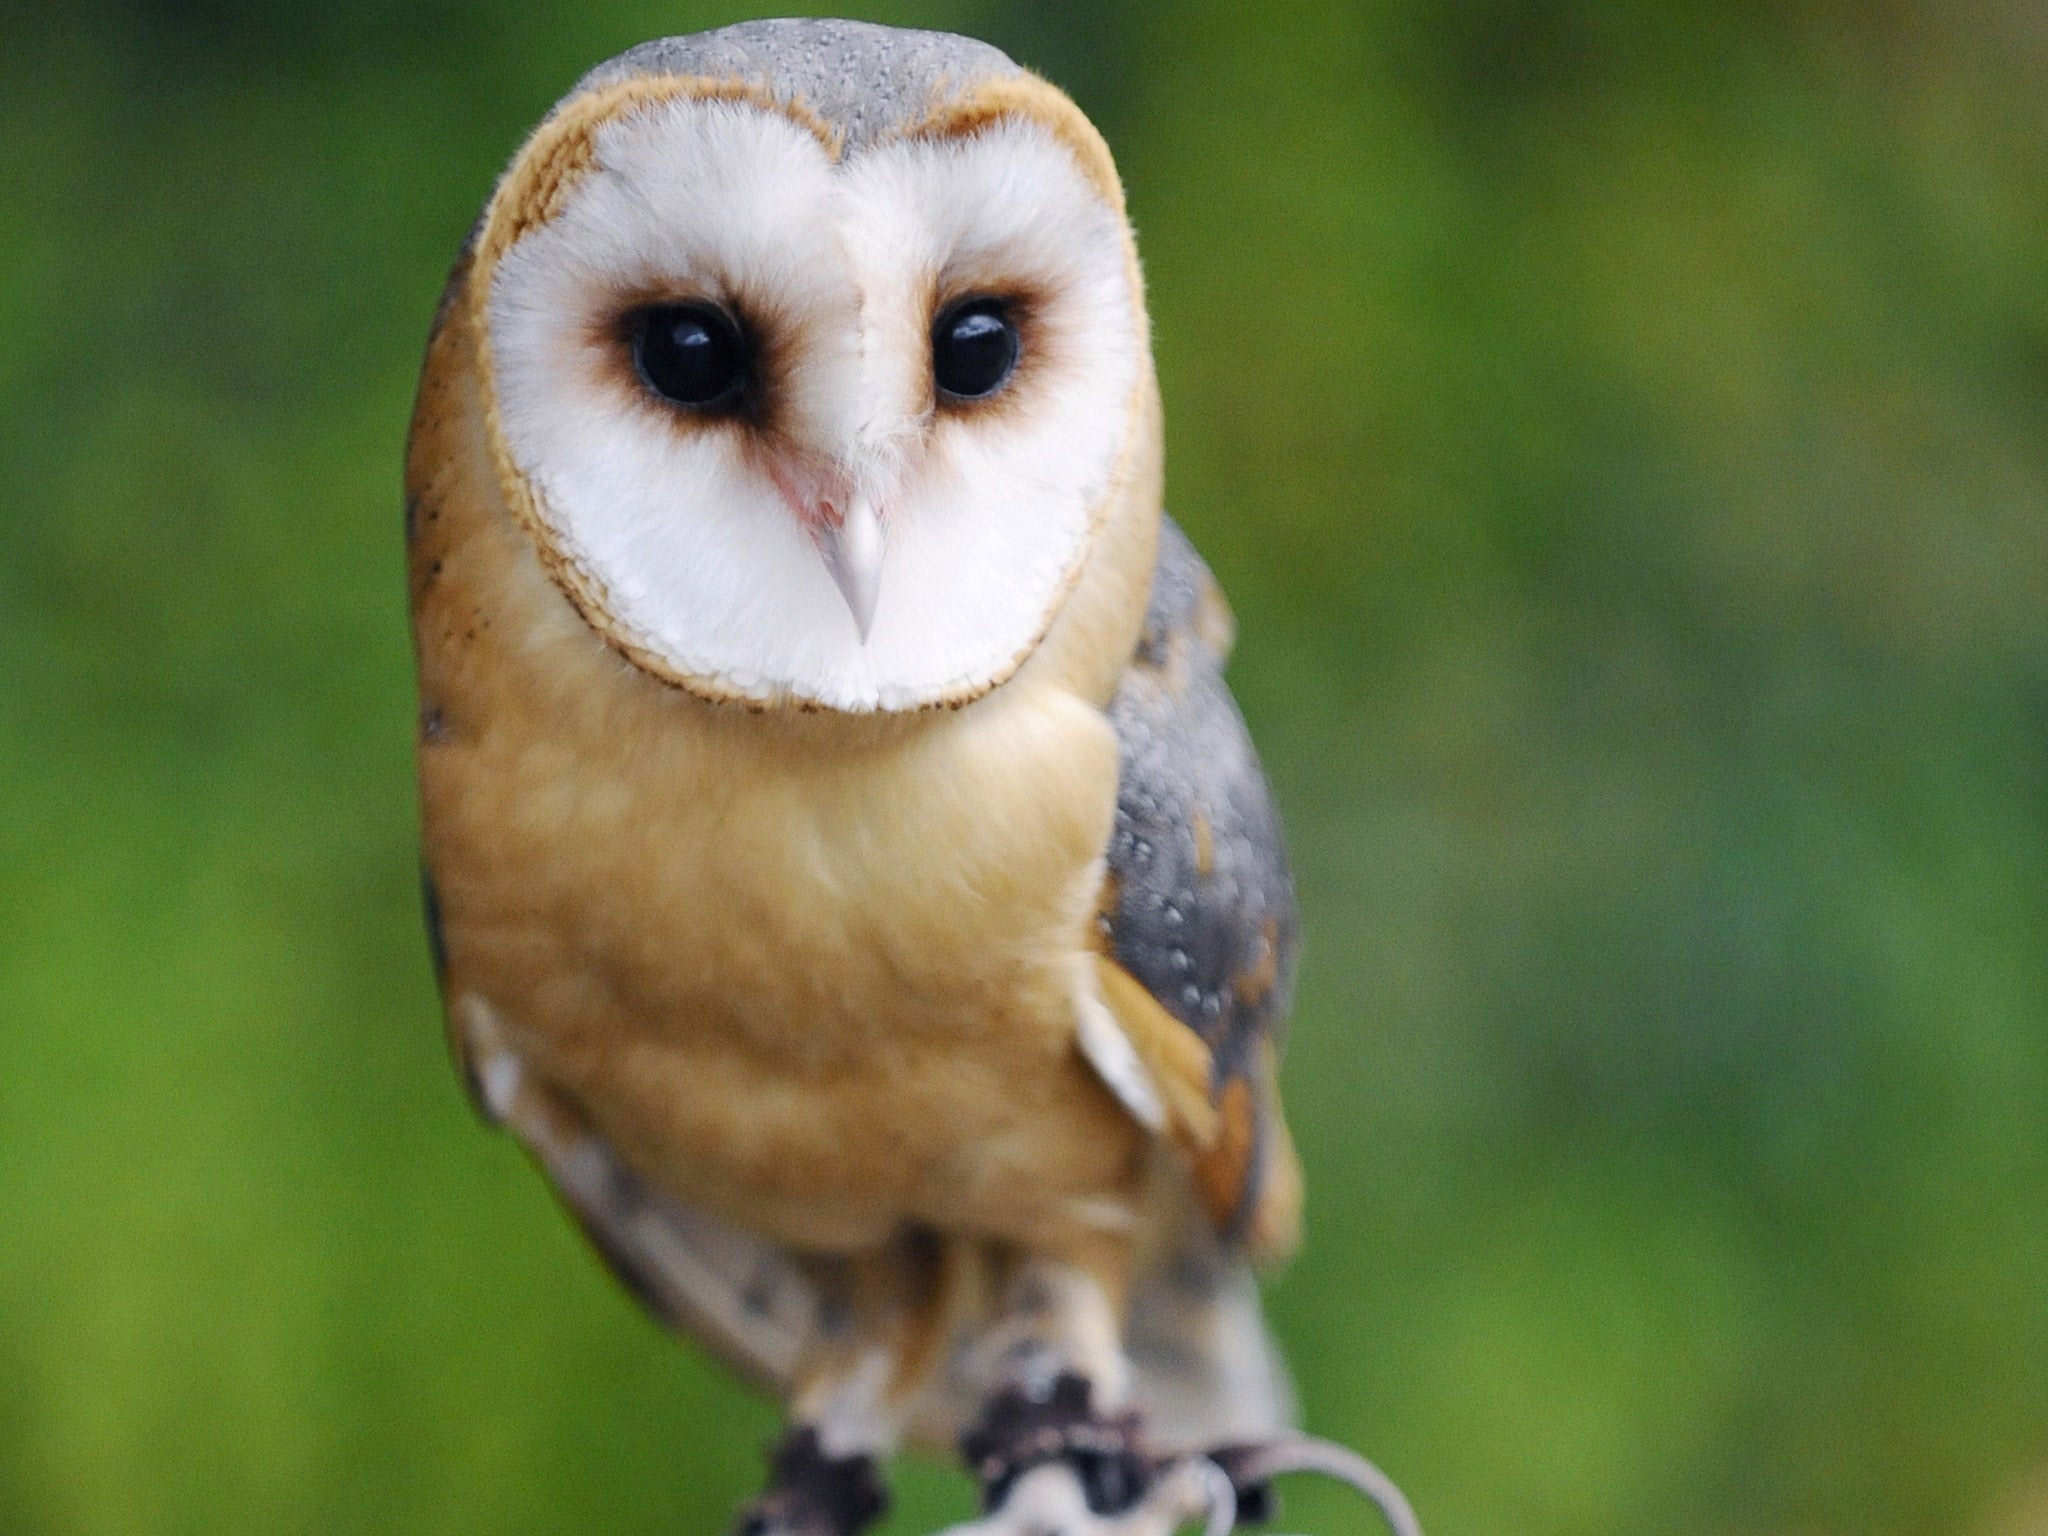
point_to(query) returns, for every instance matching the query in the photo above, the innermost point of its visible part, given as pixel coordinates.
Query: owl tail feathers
(1204, 1368)
(1216, 1393)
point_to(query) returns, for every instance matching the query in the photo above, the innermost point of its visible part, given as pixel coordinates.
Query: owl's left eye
(974, 349)
(689, 354)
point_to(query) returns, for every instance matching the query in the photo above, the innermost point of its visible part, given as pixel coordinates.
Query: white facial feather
(693, 556)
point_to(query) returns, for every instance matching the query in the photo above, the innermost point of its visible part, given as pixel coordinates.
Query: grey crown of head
(864, 80)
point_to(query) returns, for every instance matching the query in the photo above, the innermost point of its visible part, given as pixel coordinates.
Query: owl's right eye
(691, 355)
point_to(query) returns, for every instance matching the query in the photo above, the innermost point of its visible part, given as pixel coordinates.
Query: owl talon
(813, 1494)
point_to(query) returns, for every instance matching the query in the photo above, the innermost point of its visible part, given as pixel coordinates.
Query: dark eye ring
(974, 349)
(692, 355)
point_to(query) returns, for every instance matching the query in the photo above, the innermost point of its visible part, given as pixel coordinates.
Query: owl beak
(853, 548)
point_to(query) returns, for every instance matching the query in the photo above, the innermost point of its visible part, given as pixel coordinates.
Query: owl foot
(1231, 1485)
(813, 1494)
(1050, 1465)
(1051, 1499)
(1020, 1431)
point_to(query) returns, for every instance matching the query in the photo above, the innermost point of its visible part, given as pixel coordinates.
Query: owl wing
(1199, 924)
(747, 1300)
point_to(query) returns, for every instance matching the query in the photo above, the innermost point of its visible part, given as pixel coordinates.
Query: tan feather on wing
(1233, 1133)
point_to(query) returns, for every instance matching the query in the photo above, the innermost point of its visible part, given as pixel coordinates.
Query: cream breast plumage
(848, 873)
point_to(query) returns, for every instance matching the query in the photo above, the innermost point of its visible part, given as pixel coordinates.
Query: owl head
(812, 355)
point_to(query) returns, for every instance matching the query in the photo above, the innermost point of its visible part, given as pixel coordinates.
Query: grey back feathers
(864, 80)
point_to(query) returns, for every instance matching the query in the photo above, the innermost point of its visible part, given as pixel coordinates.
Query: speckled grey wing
(1200, 906)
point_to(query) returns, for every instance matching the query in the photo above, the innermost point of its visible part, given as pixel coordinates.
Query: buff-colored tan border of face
(536, 188)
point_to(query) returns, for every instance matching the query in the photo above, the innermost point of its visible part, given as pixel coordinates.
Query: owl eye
(974, 349)
(689, 354)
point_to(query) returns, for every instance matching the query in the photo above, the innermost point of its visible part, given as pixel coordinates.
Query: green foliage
(1624, 433)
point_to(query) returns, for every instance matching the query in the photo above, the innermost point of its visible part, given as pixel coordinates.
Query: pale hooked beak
(853, 550)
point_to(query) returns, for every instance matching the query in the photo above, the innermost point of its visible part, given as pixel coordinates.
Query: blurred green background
(1623, 430)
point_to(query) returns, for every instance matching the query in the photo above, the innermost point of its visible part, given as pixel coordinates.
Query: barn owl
(846, 870)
